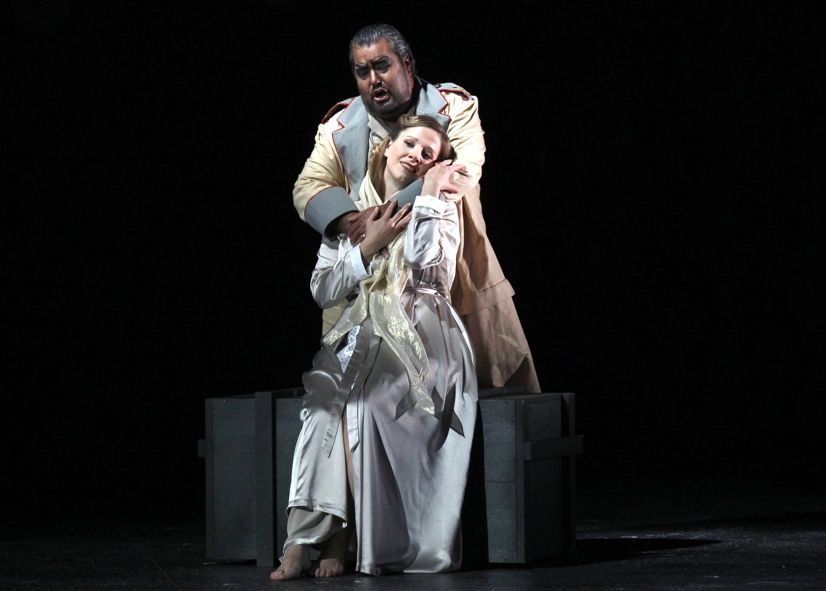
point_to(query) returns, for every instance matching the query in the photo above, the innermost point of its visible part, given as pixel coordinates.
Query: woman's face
(411, 155)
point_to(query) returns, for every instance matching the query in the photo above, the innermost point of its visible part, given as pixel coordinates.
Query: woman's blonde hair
(378, 161)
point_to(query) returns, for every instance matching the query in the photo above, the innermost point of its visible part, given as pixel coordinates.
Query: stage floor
(657, 532)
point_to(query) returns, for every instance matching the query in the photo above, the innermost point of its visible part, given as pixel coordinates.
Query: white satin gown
(410, 466)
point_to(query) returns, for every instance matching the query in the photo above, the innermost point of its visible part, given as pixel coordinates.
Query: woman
(390, 403)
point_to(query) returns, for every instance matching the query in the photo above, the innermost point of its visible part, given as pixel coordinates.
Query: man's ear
(407, 66)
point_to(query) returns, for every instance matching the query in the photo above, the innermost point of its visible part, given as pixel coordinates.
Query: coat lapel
(431, 102)
(351, 142)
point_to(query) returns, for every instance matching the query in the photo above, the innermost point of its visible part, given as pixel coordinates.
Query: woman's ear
(387, 149)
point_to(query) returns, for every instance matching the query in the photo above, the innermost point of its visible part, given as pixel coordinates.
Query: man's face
(385, 82)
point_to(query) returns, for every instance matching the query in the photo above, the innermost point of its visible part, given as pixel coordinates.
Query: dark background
(653, 189)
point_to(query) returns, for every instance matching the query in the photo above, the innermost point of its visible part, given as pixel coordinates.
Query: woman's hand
(382, 227)
(437, 179)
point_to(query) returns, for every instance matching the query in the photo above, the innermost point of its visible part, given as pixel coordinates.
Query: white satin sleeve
(432, 234)
(338, 272)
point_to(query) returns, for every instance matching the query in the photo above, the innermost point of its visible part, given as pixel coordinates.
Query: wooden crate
(246, 437)
(530, 449)
(524, 452)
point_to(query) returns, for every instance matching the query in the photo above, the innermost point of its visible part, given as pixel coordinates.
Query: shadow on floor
(596, 550)
(637, 541)
(791, 521)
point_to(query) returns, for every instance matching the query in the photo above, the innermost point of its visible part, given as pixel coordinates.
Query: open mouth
(381, 95)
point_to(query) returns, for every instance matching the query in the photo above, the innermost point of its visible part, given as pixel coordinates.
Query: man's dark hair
(372, 33)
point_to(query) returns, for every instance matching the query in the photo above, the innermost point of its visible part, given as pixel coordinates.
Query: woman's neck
(390, 186)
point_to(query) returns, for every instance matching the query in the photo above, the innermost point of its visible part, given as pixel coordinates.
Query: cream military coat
(327, 187)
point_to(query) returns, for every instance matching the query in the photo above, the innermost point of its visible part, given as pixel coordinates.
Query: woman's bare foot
(329, 567)
(331, 560)
(296, 562)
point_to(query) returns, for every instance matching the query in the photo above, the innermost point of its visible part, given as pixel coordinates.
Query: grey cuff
(410, 192)
(326, 207)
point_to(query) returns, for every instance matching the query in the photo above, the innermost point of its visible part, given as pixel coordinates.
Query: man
(385, 72)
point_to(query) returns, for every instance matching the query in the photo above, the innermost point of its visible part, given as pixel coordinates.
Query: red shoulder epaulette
(453, 88)
(336, 108)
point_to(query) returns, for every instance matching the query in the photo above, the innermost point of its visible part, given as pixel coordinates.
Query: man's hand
(382, 227)
(438, 179)
(355, 224)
